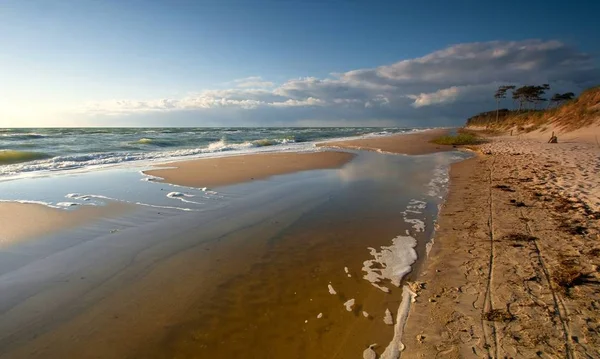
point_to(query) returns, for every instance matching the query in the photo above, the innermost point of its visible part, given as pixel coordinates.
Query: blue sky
(83, 62)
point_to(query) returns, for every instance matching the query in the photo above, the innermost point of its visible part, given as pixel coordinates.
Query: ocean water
(33, 151)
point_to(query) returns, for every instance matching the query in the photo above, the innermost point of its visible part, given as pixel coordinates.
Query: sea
(42, 150)
(67, 168)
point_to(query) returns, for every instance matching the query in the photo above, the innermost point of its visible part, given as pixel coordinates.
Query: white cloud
(447, 84)
(311, 101)
(452, 94)
(253, 82)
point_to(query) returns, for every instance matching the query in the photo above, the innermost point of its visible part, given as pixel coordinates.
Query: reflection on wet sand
(246, 280)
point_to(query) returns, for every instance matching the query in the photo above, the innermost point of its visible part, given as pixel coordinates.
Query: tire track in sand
(490, 330)
(560, 308)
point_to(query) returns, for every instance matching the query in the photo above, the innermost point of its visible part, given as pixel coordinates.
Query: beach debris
(347, 272)
(416, 286)
(387, 319)
(504, 188)
(331, 290)
(365, 314)
(420, 338)
(306, 321)
(349, 304)
(320, 315)
(369, 353)
(498, 315)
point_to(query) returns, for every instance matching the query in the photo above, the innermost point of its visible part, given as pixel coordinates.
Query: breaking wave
(8, 157)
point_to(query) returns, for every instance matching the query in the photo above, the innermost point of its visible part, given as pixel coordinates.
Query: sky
(283, 63)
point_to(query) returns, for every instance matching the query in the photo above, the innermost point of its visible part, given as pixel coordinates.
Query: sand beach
(514, 269)
(289, 258)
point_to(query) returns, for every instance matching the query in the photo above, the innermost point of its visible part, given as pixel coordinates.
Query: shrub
(459, 139)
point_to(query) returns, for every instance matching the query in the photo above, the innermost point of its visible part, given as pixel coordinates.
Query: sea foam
(391, 262)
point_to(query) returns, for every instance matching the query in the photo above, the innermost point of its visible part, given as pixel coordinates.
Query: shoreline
(512, 202)
(223, 171)
(215, 149)
(406, 143)
(250, 167)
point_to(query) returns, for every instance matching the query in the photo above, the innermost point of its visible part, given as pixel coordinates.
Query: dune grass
(460, 139)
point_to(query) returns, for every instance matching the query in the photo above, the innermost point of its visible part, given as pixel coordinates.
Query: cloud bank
(441, 88)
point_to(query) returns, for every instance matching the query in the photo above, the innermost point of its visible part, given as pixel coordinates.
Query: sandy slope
(514, 271)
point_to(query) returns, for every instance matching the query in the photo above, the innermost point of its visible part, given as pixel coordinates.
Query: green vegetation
(460, 139)
(563, 110)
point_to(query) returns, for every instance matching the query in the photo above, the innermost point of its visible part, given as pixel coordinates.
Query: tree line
(530, 96)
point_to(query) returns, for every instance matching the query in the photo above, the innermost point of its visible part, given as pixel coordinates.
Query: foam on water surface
(391, 262)
(387, 318)
(349, 304)
(331, 290)
(369, 353)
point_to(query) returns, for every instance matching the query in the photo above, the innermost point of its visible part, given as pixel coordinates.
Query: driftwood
(553, 139)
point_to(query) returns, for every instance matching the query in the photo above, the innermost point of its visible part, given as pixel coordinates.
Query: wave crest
(8, 157)
(21, 136)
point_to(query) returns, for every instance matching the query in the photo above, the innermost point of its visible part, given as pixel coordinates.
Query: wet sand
(408, 144)
(222, 171)
(244, 280)
(22, 221)
(514, 269)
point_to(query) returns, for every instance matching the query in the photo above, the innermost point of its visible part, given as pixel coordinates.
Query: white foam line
(151, 178)
(144, 204)
(182, 197)
(67, 204)
(42, 203)
(395, 347)
(209, 194)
